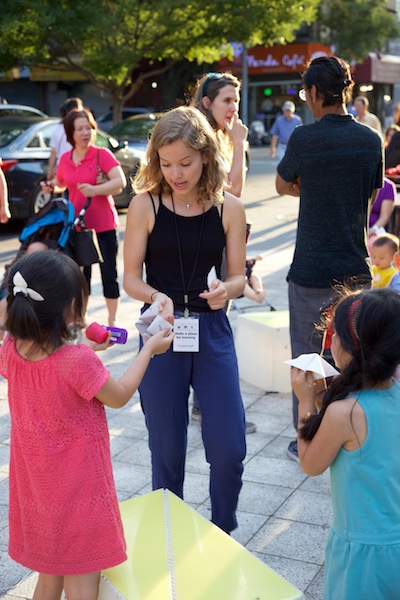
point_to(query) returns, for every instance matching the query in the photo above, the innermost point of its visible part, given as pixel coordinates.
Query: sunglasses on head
(210, 77)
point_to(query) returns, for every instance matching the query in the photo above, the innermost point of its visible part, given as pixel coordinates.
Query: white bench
(262, 345)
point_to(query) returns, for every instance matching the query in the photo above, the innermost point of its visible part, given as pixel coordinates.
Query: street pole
(244, 105)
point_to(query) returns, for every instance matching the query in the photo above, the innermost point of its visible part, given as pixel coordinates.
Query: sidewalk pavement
(284, 516)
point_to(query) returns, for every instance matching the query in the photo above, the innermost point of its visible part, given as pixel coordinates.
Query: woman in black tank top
(178, 226)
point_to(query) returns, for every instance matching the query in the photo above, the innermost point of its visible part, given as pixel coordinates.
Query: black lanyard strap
(186, 289)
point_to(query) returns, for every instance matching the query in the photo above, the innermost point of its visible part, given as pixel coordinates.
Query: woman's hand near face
(236, 130)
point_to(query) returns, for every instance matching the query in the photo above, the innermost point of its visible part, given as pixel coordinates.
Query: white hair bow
(20, 286)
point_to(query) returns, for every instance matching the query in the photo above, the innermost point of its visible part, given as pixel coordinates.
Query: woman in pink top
(79, 171)
(64, 519)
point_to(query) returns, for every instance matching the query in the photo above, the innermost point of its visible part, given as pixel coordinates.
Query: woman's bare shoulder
(142, 202)
(232, 203)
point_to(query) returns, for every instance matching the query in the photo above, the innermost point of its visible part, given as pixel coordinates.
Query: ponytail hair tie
(21, 287)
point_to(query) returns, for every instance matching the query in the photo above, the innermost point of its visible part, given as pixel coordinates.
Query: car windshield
(135, 128)
(19, 112)
(10, 130)
(106, 141)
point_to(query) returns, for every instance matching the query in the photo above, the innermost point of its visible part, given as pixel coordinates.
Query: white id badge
(186, 338)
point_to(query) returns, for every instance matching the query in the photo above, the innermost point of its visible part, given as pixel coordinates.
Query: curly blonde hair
(190, 126)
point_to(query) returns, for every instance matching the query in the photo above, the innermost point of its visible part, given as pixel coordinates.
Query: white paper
(212, 275)
(150, 313)
(315, 363)
(151, 322)
(157, 325)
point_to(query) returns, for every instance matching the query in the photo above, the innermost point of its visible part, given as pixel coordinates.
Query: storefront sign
(55, 73)
(378, 68)
(291, 58)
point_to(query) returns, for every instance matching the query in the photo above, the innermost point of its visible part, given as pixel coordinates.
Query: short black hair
(69, 104)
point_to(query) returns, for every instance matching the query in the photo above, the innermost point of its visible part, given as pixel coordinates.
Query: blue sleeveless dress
(363, 549)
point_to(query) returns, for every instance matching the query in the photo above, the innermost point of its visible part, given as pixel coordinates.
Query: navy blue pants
(164, 393)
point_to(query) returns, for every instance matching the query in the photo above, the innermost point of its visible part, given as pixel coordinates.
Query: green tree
(356, 27)
(107, 40)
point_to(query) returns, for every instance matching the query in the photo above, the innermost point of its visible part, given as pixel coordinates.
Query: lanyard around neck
(186, 289)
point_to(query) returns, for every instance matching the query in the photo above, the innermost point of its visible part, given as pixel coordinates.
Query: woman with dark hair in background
(335, 166)
(217, 97)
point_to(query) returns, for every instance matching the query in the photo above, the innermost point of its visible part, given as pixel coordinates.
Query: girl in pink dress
(64, 517)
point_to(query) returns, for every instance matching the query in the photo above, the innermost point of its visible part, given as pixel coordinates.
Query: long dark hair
(209, 86)
(61, 284)
(332, 77)
(368, 326)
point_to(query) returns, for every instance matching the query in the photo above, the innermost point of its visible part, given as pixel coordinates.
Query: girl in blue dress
(356, 434)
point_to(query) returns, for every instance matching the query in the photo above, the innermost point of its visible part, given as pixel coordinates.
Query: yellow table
(176, 554)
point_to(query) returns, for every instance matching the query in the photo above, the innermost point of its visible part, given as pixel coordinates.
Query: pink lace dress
(64, 516)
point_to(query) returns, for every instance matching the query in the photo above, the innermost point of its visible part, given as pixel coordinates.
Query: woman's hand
(5, 214)
(216, 295)
(236, 130)
(47, 186)
(51, 186)
(165, 306)
(87, 190)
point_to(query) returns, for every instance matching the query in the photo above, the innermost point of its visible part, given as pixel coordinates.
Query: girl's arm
(334, 432)
(139, 223)
(234, 222)
(117, 393)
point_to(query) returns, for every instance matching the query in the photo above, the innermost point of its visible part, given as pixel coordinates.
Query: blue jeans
(164, 393)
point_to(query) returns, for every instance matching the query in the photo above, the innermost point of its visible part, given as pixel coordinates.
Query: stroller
(52, 227)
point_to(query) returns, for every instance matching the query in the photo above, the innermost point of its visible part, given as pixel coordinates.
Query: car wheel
(40, 199)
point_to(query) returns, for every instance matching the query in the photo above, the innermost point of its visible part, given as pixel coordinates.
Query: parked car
(25, 151)
(105, 121)
(135, 132)
(20, 110)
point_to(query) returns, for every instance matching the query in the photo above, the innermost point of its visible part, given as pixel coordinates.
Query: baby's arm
(117, 393)
(257, 295)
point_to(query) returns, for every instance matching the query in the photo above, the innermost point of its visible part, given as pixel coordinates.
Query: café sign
(291, 58)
